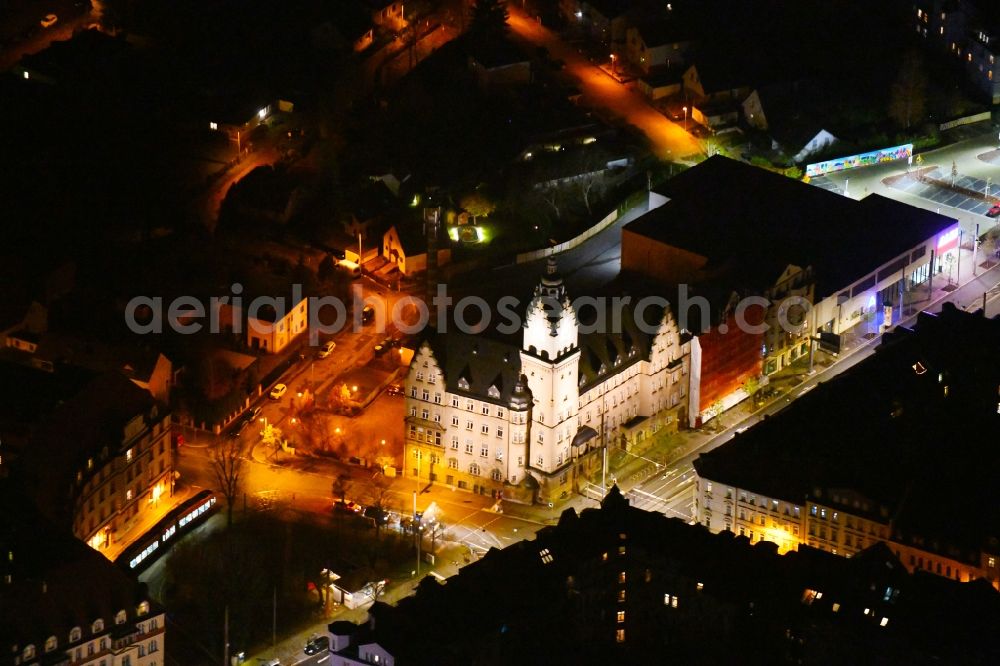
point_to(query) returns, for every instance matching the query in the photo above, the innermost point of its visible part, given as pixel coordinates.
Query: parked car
(317, 644)
(278, 391)
(367, 314)
(49, 20)
(395, 389)
(347, 506)
(253, 413)
(994, 211)
(380, 349)
(326, 349)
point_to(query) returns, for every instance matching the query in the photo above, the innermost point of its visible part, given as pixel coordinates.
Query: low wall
(534, 255)
(967, 120)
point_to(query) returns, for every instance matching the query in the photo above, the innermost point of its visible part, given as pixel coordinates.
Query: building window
(454, 442)
(670, 600)
(485, 429)
(468, 447)
(621, 617)
(468, 425)
(620, 636)
(499, 431)
(621, 577)
(452, 463)
(474, 469)
(454, 402)
(484, 451)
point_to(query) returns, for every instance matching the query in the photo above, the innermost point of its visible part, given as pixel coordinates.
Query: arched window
(51, 643)
(97, 627)
(143, 608)
(120, 617)
(474, 469)
(74, 634)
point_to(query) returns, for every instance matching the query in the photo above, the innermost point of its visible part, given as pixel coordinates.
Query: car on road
(317, 644)
(253, 413)
(278, 391)
(347, 506)
(326, 349)
(376, 515)
(994, 211)
(367, 314)
(49, 20)
(395, 389)
(380, 349)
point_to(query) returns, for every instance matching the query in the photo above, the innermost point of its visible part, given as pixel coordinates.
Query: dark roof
(79, 429)
(479, 360)
(28, 395)
(888, 454)
(57, 582)
(87, 54)
(494, 53)
(795, 111)
(664, 31)
(555, 591)
(610, 9)
(751, 223)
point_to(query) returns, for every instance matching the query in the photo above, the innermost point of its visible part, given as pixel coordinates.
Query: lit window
(670, 600)
(884, 622)
(620, 636)
(621, 577)
(621, 596)
(835, 607)
(545, 555)
(867, 611)
(700, 586)
(621, 617)
(128, 455)
(213, 126)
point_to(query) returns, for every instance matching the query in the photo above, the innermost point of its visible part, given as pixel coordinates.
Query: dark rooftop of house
(556, 598)
(663, 31)
(27, 395)
(751, 224)
(79, 429)
(901, 431)
(87, 55)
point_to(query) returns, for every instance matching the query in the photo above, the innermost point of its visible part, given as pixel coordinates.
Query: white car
(278, 391)
(49, 20)
(327, 349)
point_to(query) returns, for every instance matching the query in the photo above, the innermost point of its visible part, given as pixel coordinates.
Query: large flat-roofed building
(618, 585)
(731, 227)
(899, 449)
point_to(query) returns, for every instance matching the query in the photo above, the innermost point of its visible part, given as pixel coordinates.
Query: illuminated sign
(948, 240)
(864, 159)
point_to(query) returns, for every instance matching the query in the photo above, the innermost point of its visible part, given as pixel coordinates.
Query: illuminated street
(607, 96)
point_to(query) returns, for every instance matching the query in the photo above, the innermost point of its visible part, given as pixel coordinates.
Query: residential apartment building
(527, 421)
(270, 323)
(968, 30)
(63, 603)
(102, 460)
(869, 456)
(618, 585)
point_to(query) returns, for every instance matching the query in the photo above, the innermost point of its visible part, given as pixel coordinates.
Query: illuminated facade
(490, 417)
(855, 461)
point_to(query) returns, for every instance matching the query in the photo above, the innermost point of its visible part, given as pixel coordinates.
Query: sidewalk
(145, 522)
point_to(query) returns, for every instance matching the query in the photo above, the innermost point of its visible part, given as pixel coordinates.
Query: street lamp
(612, 64)
(685, 119)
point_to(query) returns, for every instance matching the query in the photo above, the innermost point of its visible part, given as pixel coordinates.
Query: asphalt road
(671, 492)
(605, 95)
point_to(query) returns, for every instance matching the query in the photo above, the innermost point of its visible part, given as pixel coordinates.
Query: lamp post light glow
(685, 119)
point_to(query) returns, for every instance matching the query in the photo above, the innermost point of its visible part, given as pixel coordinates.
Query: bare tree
(228, 464)
(550, 196)
(376, 495)
(907, 104)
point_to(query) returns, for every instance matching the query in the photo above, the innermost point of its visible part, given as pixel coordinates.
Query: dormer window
(143, 608)
(29, 652)
(120, 617)
(463, 383)
(51, 643)
(97, 627)
(75, 634)
(493, 392)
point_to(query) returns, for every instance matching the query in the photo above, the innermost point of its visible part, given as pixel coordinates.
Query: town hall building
(529, 421)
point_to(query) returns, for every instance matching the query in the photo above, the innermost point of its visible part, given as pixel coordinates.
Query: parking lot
(946, 196)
